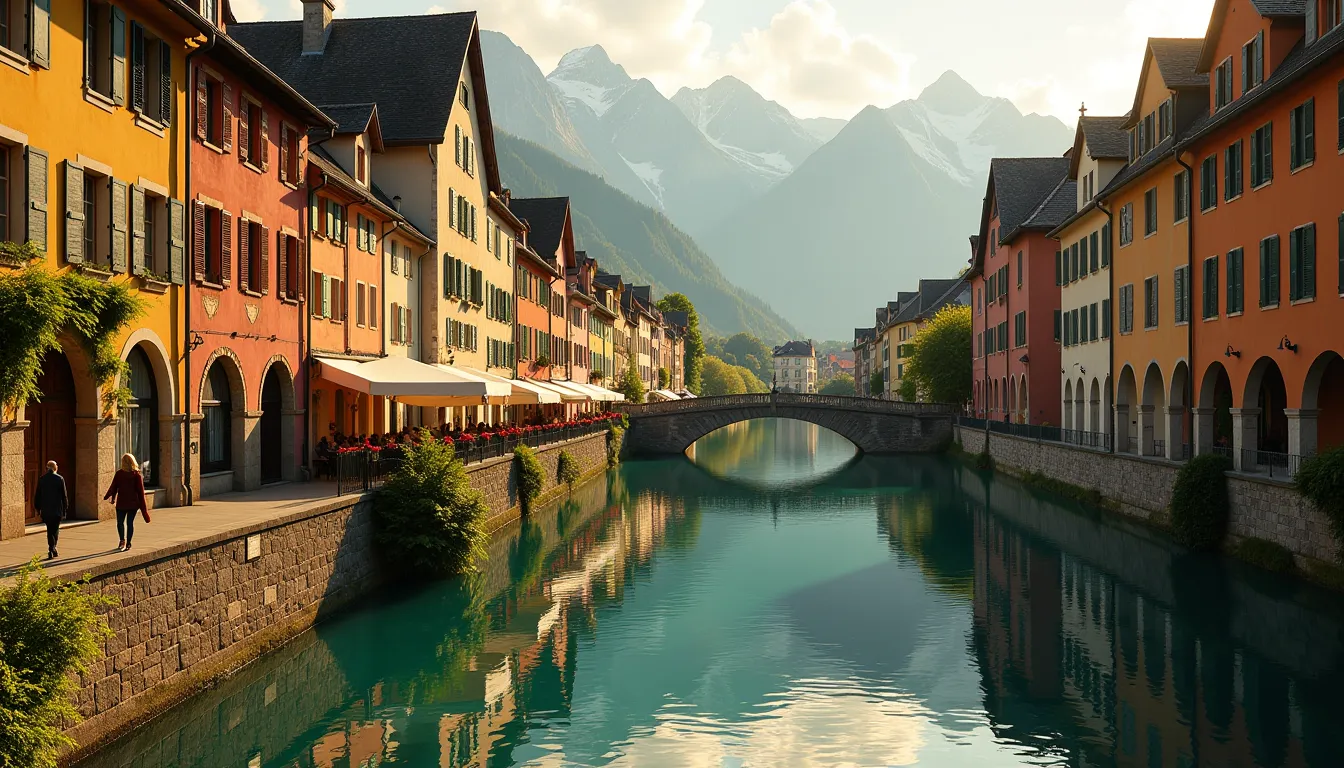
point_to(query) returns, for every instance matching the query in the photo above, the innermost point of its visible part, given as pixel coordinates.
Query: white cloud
(807, 60)
(296, 7)
(247, 10)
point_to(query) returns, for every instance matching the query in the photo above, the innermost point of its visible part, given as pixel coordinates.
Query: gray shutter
(74, 213)
(1309, 261)
(1311, 21)
(137, 230)
(117, 226)
(452, 208)
(118, 49)
(473, 223)
(165, 83)
(35, 162)
(1259, 63)
(39, 33)
(137, 67)
(177, 241)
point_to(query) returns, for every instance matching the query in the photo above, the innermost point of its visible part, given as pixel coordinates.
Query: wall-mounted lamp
(1230, 352)
(196, 340)
(1284, 343)
(273, 338)
(1080, 367)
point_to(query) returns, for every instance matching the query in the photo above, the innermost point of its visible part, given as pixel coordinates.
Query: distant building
(796, 367)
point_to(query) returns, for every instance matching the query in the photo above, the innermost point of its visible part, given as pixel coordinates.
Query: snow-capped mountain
(759, 134)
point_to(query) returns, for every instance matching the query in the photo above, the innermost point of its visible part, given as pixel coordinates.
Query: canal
(777, 602)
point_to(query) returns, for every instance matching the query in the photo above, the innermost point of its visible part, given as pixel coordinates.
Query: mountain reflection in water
(777, 603)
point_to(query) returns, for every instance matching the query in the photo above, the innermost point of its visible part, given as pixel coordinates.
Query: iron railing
(363, 470)
(787, 399)
(1273, 463)
(1222, 450)
(1158, 449)
(1098, 440)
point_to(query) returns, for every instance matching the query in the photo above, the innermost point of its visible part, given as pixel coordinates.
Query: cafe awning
(520, 392)
(409, 381)
(566, 394)
(497, 390)
(663, 395)
(599, 394)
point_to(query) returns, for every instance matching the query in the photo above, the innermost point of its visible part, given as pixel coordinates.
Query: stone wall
(191, 613)
(1141, 487)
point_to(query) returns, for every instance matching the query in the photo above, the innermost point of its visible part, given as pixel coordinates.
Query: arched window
(216, 432)
(138, 428)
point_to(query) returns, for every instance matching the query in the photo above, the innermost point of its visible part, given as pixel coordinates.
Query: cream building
(795, 367)
(1083, 271)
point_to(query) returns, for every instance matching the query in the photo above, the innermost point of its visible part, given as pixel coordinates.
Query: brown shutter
(282, 258)
(226, 107)
(300, 269)
(74, 213)
(198, 240)
(244, 254)
(410, 325)
(117, 227)
(39, 33)
(35, 161)
(137, 230)
(265, 141)
(177, 241)
(202, 111)
(225, 247)
(244, 131)
(284, 155)
(396, 323)
(264, 280)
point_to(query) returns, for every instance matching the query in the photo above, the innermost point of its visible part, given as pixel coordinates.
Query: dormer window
(1222, 84)
(1330, 14)
(361, 174)
(1164, 121)
(1149, 133)
(1253, 63)
(463, 96)
(210, 10)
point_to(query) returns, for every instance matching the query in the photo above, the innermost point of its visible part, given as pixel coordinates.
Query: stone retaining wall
(1141, 487)
(189, 614)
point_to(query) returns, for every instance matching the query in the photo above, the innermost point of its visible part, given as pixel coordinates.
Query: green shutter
(1294, 249)
(1308, 261)
(118, 51)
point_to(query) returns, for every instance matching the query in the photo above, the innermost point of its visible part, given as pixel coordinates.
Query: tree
(429, 518)
(630, 384)
(664, 378)
(695, 345)
(720, 378)
(876, 383)
(842, 384)
(754, 385)
(908, 391)
(749, 352)
(940, 359)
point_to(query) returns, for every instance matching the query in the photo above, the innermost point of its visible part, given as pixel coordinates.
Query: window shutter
(39, 33)
(1259, 63)
(1264, 273)
(326, 296)
(244, 255)
(360, 241)
(1059, 271)
(1340, 273)
(118, 54)
(264, 279)
(1311, 22)
(1177, 285)
(473, 223)
(35, 166)
(137, 230)
(118, 208)
(410, 324)
(282, 264)
(74, 213)
(244, 131)
(457, 145)
(1245, 68)
(1309, 261)
(452, 209)
(198, 240)
(165, 82)
(395, 330)
(1096, 254)
(225, 247)
(390, 253)
(1294, 268)
(137, 67)
(226, 132)
(1294, 150)
(284, 152)
(1340, 117)
(1309, 132)
(1105, 245)
(300, 269)
(265, 141)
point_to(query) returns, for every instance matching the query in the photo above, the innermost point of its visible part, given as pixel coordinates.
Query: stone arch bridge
(873, 426)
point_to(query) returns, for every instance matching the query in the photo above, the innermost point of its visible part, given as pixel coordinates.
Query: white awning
(497, 390)
(409, 381)
(600, 394)
(520, 392)
(563, 393)
(663, 394)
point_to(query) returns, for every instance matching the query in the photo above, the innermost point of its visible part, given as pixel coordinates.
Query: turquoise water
(778, 602)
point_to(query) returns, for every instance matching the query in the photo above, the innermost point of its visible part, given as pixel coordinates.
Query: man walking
(51, 502)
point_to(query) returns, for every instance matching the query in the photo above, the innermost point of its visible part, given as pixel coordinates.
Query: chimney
(316, 24)
(507, 195)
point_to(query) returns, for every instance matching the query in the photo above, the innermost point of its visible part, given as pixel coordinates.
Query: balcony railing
(1273, 463)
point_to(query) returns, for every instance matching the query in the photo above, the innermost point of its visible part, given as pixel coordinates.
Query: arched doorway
(50, 435)
(1271, 399)
(1068, 405)
(1152, 427)
(1080, 406)
(1215, 412)
(1094, 408)
(217, 427)
(138, 424)
(272, 407)
(1012, 399)
(1177, 400)
(1126, 413)
(1323, 392)
(1022, 404)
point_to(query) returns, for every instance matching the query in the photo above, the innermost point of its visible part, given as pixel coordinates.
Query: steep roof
(1139, 167)
(1057, 207)
(794, 349)
(1177, 61)
(932, 296)
(372, 196)
(410, 66)
(1020, 184)
(1106, 137)
(545, 219)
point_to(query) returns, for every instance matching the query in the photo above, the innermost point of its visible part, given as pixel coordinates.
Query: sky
(831, 58)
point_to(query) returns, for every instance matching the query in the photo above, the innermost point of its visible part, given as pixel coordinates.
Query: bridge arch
(873, 426)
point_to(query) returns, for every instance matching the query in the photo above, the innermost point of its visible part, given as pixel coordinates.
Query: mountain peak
(593, 54)
(950, 94)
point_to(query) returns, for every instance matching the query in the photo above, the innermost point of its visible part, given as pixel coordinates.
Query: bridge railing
(718, 402)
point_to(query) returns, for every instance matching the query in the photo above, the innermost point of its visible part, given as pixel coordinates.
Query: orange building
(1149, 205)
(1268, 277)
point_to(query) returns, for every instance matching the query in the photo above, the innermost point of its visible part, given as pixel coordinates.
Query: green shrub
(49, 632)
(1199, 504)
(567, 469)
(429, 518)
(531, 477)
(1266, 554)
(1321, 481)
(615, 438)
(984, 461)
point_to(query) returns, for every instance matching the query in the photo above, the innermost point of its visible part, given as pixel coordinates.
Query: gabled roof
(409, 65)
(372, 196)
(1017, 186)
(794, 349)
(545, 218)
(1139, 167)
(932, 296)
(1057, 207)
(1106, 137)
(864, 335)
(357, 118)
(1266, 8)
(1177, 60)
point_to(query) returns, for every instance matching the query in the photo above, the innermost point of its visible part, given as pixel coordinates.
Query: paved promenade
(92, 547)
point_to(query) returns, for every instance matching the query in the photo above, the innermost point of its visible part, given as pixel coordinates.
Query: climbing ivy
(38, 305)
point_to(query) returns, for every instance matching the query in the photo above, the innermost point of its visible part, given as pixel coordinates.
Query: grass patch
(1265, 554)
(1067, 490)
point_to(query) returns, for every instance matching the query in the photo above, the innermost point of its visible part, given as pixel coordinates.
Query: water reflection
(899, 611)
(772, 453)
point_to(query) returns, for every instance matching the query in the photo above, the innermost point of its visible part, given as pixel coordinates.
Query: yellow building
(93, 141)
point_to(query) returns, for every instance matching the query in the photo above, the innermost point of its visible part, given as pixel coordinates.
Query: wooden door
(271, 407)
(51, 431)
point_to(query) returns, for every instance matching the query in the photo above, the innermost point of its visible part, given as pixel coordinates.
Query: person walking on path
(52, 503)
(127, 493)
